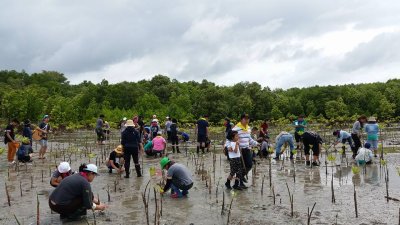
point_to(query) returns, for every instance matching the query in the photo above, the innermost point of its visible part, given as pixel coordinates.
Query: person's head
(101, 116)
(372, 120)
(159, 133)
(233, 135)
(206, 116)
(14, 122)
(266, 120)
(129, 123)
(46, 118)
(300, 117)
(27, 123)
(165, 163)
(244, 119)
(168, 118)
(367, 145)
(119, 150)
(135, 119)
(254, 130)
(90, 170)
(64, 167)
(154, 116)
(174, 120)
(362, 119)
(336, 133)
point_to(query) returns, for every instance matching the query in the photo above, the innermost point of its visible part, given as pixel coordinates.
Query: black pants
(169, 135)
(357, 143)
(248, 159)
(75, 208)
(128, 152)
(24, 159)
(236, 167)
(175, 140)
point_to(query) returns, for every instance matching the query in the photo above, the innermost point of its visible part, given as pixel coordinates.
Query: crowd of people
(72, 195)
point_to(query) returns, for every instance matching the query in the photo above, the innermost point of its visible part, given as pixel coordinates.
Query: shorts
(315, 147)
(43, 142)
(374, 144)
(297, 136)
(236, 167)
(202, 138)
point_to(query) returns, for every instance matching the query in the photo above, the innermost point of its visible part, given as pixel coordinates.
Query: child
(235, 160)
(364, 155)
(25, 151)
(264, 147)
(159, 144)
(116, 160)
(343, 136)
(372, 130)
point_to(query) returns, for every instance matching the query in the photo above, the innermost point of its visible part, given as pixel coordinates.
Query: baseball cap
(64, 167)
(45, 116)
(91, 168)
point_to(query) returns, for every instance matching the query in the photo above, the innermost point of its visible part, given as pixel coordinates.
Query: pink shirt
(158, 143)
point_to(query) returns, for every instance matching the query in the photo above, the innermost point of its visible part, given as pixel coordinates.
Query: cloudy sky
(278, 43)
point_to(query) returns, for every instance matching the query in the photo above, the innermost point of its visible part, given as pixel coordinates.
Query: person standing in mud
(99, 129)
(44, 128)
(245, 143)
(174, 136)
(74, 196)
(168, 128)
(356, 133)
(27, 132)
(131, 144)
(372, 130)
(300, 124)
(314, 139)
(202, 133)
(9, 140)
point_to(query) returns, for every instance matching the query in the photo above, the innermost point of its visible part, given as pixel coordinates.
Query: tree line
(30, 96)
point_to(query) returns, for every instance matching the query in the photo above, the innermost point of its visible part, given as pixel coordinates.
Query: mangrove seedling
(355, 170)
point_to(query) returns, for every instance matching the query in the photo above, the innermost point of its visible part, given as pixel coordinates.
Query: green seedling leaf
(2, 150)
(294, 152)
(398, 171)
(270, 150)
(341, 151)
(233, 193)
(331, 158)
(91, 155)
(383, 162)
(355, 170)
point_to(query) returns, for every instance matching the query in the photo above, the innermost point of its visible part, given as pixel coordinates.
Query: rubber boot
(228, 184)
(138, 171)
(236, 185)
(177, 149)
(126, 174)
(241, 185)
(173, 149)
(198, 149)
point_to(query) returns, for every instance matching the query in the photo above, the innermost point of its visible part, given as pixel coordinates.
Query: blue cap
(367, 145)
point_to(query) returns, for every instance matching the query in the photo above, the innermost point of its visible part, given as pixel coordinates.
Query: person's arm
(9, 136)
(55, 181)
(236, 147)
(168, 184)
(252, 142)
(207, 131)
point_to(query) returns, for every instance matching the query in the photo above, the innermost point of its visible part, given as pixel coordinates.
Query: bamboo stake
(309, 214)
(16, 219)
(8, 194)
(355, 201)
(37, 210)
(229, 212)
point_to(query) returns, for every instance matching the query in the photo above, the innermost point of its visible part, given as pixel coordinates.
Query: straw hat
(129, 123)
(119, 149)
(371, 119)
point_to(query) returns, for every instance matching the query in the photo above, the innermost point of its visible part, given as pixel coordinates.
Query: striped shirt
(245, 140)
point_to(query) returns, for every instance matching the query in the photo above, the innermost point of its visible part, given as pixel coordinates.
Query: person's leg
(307, 152)
(316, 148)
(278, 148)
(248, 159)
(176, 192)
(135, 156)
(10, 147)
(357, 143)
(297, 138)
(44, 148)
(291, 146)
(127, 164)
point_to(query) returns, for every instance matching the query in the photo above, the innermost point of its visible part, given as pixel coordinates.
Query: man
(99, 129)
(44, 128)
(178, 178)
(245, 142)
(132, 145)
(202, 133)
(300, 124)
(168, 128)
(9, 140)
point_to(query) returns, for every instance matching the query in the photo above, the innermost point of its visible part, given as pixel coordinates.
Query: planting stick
(108, 193)
(31, 181)
(333, 191)
(42, 176)
(309, 214)
(355, 201)
(273, 193)
(223, 203)
(262, 185)
(291, 200)
(156, 206)
(37, 210)
(229, 212)
(20, 187)
(8, 194)
(16, 219)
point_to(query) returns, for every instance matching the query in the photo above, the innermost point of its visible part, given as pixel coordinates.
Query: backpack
(21, 151)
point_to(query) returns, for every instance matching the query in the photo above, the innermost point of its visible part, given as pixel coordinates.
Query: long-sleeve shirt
(356, 128)
(343, 135)
(245, 140)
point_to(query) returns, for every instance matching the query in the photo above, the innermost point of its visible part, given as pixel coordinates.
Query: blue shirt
(343, 135)
(202, 125)
(372, 131)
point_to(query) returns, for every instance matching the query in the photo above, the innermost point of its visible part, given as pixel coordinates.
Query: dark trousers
(128, 152)
(75, 207)
(248, 159)
(357, 143)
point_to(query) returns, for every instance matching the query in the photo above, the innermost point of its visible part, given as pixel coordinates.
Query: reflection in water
(372, 174)
(312, 180)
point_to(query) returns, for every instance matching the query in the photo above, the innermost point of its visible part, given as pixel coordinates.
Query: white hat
(371, 119)
(91, 168)
(129, 123)
(64, 167)
(124, 118)
(159, 132)
(154, 116)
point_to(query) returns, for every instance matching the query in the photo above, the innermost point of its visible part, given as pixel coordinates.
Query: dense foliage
(30, 96)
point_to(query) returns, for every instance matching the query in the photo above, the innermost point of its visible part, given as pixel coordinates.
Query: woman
(356, 133)
(174, 135)
(116, 160)
(63, 170)
(131, 143)
(372, 130)
(74, 195)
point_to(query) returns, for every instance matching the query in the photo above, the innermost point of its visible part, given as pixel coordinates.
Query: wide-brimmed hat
(119, 149)
(372, 119)
(129, 123)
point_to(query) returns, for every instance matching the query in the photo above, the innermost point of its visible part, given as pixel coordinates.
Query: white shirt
(364, 154)
(231, 144)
